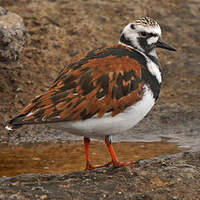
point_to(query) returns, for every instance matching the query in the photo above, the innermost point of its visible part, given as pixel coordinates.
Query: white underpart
(108, 125)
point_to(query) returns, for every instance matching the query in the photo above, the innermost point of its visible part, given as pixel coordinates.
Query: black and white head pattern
(142, 34)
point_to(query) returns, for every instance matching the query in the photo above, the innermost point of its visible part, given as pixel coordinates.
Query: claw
(114, 160)
(121, 164)
(91, 167)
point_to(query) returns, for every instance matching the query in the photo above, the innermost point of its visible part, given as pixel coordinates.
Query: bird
(105, 92)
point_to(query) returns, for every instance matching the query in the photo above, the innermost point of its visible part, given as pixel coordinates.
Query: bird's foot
(91, 167)
(115, 164)
(121, 164)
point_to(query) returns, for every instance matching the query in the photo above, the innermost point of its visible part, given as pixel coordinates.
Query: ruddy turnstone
(105, 92)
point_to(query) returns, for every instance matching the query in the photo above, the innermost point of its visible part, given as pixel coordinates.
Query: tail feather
(36, 112)
(15, 123)
(19, 121)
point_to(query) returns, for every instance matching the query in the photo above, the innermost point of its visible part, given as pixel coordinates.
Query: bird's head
(144, 34)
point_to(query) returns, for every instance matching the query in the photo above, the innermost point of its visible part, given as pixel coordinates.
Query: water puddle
(59, 158)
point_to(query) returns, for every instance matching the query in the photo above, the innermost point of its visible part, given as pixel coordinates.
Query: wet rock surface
(170, 177)
(61, 30)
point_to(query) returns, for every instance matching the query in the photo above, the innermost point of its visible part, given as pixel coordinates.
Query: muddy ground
(58, 31)
(169, 178)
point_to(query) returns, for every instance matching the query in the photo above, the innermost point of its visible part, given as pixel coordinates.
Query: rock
(13, 36)
(2, 11)
(149, 181)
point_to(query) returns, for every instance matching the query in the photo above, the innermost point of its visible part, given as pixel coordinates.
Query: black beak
(161, 44)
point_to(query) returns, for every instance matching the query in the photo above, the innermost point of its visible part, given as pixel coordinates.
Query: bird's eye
(132, 26)
(143, 34)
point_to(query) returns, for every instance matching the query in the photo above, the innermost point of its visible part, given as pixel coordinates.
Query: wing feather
(106, 80)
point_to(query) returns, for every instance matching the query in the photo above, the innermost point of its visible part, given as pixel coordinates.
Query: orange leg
(87, 153)
(89, 166)
(115, 161)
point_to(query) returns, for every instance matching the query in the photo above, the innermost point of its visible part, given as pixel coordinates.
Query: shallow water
(59, 158)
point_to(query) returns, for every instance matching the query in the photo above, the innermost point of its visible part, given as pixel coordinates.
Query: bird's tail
(15, 123)
(20, 120)
(37, 112)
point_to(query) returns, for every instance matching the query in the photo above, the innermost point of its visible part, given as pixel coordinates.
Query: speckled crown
(146, 21)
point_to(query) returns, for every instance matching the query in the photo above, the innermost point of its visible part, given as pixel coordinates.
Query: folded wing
(106, 80)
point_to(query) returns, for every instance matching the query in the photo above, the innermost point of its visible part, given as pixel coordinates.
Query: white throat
(153, 53)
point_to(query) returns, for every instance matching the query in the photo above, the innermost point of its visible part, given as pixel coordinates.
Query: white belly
(108, 125)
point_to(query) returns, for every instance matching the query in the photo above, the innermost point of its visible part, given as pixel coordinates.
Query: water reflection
(59, 158)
